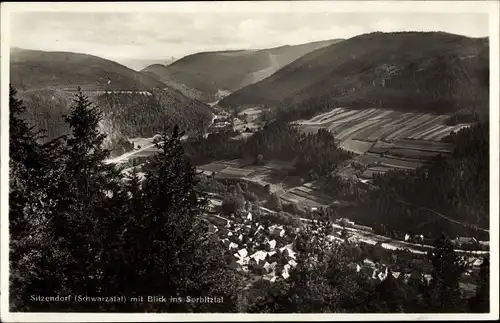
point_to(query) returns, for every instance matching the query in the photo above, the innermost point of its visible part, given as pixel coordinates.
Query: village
(263, 249)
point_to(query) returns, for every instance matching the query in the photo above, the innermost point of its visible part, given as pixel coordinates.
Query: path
(444, 216)
(126, 156)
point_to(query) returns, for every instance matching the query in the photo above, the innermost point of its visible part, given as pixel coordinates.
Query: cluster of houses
(267, 252)
(260, 251)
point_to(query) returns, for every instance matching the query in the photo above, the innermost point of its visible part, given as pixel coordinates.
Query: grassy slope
(31, 69)
(404, 71)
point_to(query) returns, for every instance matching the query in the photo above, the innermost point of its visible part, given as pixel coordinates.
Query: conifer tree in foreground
(29, 214)
(86, 201)
(79, 229)
(167, 250)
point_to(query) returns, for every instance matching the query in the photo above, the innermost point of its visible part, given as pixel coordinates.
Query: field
(378, 124)
(385, 139)
(269, 174)
(356, 146)
(310, 194)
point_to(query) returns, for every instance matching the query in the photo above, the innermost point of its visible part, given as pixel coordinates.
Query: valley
(354, 162)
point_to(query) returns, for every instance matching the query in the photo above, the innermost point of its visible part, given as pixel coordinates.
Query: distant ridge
(431, 71)
(230, 70)
(34, 69)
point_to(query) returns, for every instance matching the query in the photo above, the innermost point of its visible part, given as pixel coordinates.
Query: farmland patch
(213, 167)
(356, 146)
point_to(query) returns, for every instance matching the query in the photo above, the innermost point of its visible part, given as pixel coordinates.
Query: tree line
(456, 187)
(314, 155)
(77, 227)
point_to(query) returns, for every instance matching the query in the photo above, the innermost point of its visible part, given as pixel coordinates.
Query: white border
(490, 7)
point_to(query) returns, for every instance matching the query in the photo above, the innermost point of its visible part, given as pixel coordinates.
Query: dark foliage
(450, 195)
(315, 155)
(77, 228)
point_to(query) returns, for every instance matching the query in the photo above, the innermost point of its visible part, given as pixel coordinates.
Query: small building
(465, 240)
(344, 221)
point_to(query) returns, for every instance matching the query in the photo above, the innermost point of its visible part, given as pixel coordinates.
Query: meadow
(385, 139)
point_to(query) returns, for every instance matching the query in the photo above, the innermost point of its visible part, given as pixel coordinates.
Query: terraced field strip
(311, 197)
(379, 151)
(412, 153)
(426, 121)
(437, 136)
(399, 126)
(437, 131)
(314, 192)
(421, 134)
(424, 145)
(323, 116)
(377, 130)
(398, 120)
(302, 194)
(383, 145)
(280, 165)
(398, 163)
(408, 126)
(389, 162)
(438, 120)
(356, 120)
(343, 116)
(294, 198)
(385, 114)
(311, 129)
(356, 146)
(356, 128)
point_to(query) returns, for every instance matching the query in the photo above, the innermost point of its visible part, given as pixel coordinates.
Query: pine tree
(89, 202)
(29, 213)
(444, 286)
(167, 248)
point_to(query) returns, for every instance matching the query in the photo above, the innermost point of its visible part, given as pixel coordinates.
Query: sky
(125, 36)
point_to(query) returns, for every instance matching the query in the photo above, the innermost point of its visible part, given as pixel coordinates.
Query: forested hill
(136, 115)
(230, 70)
(450, 196)
(125, 115)
(422, 71)
(34, 69)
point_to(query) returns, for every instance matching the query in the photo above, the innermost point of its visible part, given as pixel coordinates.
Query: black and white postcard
(225, 161)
